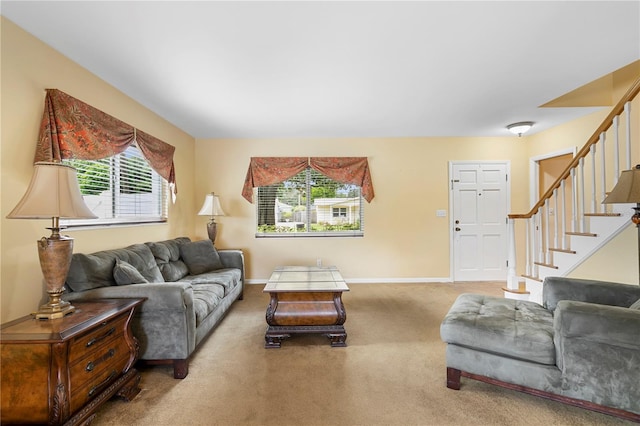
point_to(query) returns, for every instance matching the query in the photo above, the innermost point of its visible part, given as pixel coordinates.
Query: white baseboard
(376, 280)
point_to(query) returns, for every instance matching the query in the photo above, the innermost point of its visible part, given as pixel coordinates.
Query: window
(121, 189)
(309, 204)
(339, 212)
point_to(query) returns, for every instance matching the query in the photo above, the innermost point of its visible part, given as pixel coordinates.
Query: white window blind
(121, 189)
(309, 204)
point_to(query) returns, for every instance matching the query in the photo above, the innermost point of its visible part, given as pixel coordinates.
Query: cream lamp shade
(53, 193)
(627, 190)
(211, 206)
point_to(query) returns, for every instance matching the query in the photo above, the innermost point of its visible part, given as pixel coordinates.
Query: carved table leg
(272, 340)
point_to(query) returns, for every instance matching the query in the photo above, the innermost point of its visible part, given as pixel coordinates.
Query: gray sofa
(188, 286)
(582, 347)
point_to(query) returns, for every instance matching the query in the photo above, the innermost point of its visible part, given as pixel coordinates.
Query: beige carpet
(391, 373)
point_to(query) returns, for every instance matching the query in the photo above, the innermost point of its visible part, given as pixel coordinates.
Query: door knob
(457, 229)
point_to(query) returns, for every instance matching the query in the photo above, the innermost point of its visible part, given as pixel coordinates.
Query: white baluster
(563, 213)
(556, 241)
(583, 218)
(593, 178)
(603, 168)
(627, 112)
(616, 149)
(545, 230)
(574, 202)
(538, 240)
(512, 279)
(528, 248)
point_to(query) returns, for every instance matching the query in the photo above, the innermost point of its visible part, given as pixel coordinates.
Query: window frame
(296, 230)
(162, 193)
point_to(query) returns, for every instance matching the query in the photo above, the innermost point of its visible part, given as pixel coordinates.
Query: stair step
(582, 234)
(546, 265)
(563, 250)
(532, 278)
(508, 290)
(603, 214)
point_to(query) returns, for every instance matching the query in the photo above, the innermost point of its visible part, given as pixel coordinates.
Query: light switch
(441, 213)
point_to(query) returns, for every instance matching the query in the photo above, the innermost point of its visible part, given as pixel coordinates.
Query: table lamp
(627, 190)
(211, 207)
(53, 193)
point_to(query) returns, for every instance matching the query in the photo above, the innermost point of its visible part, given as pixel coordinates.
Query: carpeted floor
(391, 373)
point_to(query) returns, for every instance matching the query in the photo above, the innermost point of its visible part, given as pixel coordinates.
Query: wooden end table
(305, 299)
(60, 371)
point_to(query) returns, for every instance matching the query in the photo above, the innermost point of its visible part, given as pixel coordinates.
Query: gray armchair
(582, 347)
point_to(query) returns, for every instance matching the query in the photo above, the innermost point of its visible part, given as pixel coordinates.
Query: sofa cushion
(514, 328)
(635, 305)
(228, 278)
(167, 254)
(200, 256)
(124, 273)
(205, 299)
(95, 270)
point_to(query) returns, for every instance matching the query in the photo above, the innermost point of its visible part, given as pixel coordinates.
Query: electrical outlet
(319, 262)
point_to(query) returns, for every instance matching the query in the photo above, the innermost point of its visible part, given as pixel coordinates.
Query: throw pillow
(200, 256)
(636, 305)
(124, 273)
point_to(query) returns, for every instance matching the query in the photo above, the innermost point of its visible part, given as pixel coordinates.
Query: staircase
(569, 223)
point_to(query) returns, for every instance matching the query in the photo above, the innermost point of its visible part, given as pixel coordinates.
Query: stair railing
(562, 209)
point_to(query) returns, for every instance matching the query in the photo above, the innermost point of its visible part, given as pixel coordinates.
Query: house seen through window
(121, 189)
(309, 204)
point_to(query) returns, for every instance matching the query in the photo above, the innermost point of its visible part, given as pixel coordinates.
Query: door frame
(534, 171)
(507, 164)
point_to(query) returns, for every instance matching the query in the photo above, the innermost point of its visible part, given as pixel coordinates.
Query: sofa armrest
(165, 324)
(556, 289)
(233, 259)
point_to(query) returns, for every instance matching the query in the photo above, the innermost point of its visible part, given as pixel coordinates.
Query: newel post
(512, 279)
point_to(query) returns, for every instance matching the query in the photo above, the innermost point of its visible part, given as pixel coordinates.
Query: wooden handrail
(606, 124)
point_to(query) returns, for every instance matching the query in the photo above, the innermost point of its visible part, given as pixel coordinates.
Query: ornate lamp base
(55, 308)
(55, 259)
(212, 230)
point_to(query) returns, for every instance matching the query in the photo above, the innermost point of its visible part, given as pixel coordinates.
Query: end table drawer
(105, 331)
(99, 382)
(104, 358)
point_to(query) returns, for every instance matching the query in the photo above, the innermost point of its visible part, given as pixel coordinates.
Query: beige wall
(404, 240)
(28, 68)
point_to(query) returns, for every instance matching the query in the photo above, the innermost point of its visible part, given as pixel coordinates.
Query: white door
(480, 201)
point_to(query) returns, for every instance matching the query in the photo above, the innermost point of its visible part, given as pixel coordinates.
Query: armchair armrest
(598, 351)
(556, 289)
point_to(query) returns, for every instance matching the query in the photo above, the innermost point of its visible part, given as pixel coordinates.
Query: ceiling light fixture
(520, 128)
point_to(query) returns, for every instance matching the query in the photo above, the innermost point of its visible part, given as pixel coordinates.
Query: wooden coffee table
(305, 299)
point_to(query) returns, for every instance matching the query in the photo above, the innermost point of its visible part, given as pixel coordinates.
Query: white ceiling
(298, 69)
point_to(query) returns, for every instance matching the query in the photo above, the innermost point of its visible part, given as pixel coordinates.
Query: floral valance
(71, 128)
(265, 171)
